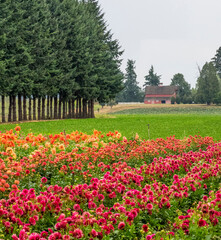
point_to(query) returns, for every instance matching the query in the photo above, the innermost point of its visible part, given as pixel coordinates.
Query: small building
(159, 94)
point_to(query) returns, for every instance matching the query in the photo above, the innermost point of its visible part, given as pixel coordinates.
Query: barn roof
(160, 90)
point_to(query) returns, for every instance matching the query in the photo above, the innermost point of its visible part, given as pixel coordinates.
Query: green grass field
(161, 125)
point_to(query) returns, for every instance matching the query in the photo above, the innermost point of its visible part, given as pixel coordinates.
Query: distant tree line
(207, 91)
(56, 58)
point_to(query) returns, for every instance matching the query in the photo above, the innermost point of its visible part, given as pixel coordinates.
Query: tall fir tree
(131, 91)
(16, 54)
(217, 61)
(40, 45)
(84, 57)
(57, 48)
(106, 57)
(4, 13)
(63, 72)
(152, 79)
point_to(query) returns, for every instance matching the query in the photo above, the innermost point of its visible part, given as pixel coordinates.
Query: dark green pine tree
(83, 55)
(106, 60)
(74, 25)
(57, 48)
(27, 43)
(37, 36)
(131, 92)
(17, 56)
(113, 77)
(3, 83)
(62, 71)
(95, 43)
(207, 84)
(152, 79)
(4, 13)
(217, 61)
(6, 28)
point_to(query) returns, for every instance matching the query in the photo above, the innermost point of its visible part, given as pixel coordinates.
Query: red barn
(159, 94)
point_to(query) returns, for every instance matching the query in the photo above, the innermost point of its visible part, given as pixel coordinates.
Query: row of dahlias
(31, 212)
(32, 157)
(76, 186)
(202, 221)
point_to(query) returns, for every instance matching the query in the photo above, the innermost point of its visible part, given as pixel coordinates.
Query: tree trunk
(77, 108)
(34, 108)
(19, 108)
(10, 109)
(51, 108)
(64, 109)
(3, 108)
(73, 107)
(29, 110)
(48, 107)
(69, 108)
(80, 110)
(59, 108)
(89, 108)
(24, 108)
(92, 108)
(84, 108)
(43, 108)
(39, 108)
(14, 108)
(55, 107)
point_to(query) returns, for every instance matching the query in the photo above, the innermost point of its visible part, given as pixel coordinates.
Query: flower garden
(104, 186)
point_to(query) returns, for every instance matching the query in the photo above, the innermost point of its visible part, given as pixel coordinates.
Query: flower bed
(104, 186)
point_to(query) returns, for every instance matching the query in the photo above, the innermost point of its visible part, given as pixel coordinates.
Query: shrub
(178, 100)
(173, 100)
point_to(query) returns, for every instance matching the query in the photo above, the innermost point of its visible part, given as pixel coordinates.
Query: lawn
(160, 125)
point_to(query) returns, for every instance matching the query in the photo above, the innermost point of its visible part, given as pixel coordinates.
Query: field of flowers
(104, 186)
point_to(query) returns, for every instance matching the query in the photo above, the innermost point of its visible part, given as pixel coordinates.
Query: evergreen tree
(26, 52)
(112, 76)
(207, 84)
(184, 91)
(57, 48)
(101, 77)
(217, 61)
(62, 72)
(40, 44)
(4, 12)
(152, 79)
(17, 55)
(86, 43)
(131, 91)
(3, 83)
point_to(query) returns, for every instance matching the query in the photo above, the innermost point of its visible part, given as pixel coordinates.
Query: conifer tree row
(57, 57)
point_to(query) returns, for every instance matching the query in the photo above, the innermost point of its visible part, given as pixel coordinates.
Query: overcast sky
(172, 35)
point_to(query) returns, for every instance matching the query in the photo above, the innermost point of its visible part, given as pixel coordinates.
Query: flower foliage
(104, 186)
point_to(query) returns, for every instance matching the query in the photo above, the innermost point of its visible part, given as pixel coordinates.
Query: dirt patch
(121, 107)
